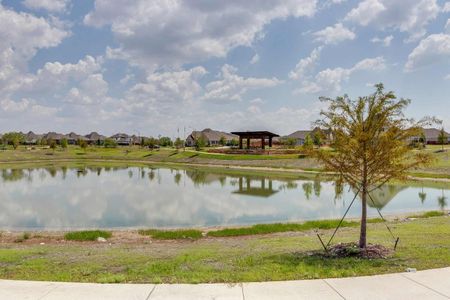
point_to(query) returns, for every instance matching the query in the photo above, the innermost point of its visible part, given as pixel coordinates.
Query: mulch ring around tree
(352, 250)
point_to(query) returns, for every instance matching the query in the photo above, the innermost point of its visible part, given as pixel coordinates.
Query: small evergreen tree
(442, 138)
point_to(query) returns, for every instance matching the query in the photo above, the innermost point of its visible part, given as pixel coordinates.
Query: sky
(168, 67)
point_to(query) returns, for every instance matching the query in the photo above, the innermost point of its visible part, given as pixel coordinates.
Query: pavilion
(260, 135)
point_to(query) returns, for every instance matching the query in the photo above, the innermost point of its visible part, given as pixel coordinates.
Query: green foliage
(234, 143)
(151, 143)
(13, 138)
(317, 138)
(179, 143)
(87, 235)
(442, 138)
(110, 143)
(222, 141)
(308, 144)
(63, 143)
(82, 143)
(200, 142)
(289, 142)
(165, 141)
(172, 234)
(52, 144)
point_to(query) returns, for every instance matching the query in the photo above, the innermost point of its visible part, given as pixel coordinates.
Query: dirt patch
(352, 250)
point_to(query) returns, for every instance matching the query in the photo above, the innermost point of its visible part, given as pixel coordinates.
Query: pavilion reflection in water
(261, 187)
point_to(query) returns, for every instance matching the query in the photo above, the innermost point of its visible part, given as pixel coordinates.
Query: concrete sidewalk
(430, 284)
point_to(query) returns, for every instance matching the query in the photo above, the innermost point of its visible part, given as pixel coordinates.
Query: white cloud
(306, 65)
(91, 90)
(410, 16)
(254, 59)
(230, 86)
(155, 33)
(164, 91)
(21, 36)
(54, 6)
(433, 49)
(386, 42)
(447, 77)
(447, 26)
(334, 34)
(446, 7)
(331, 79)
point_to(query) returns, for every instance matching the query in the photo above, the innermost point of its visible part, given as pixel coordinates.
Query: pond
(137, 197)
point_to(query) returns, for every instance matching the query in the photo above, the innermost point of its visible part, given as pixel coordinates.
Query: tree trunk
(363, 234)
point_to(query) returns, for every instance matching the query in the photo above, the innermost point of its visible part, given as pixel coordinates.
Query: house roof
(213, 135)
(255, 134)
(94, 136)
(54, 136)
(120, 135)
(75, 136)
(299, 134)
(432, 133)
(31, 136)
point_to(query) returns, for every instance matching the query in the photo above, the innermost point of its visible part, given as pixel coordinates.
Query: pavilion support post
(263, 143)
(248, 143)
(240, 142)
(270, 141)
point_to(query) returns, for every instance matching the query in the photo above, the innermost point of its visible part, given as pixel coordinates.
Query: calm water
(146, 197)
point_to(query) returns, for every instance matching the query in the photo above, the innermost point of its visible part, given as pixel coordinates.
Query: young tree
(200, 142)
(442, 138)
(308, 143)
(165, 141)
(64, 143)
(13, 138)
(52, 144)
(370, 139)
(83, 144)
(222, 141)
(178, 143)
(289, 142)
(151, 143)
(109, 143)
(317, 138)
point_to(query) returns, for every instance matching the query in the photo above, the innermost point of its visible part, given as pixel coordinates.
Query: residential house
(53, 136)
(73, 138)
(122, 139)
(32, 138)
(300, 136)
(94, 138)
(212, 137)
(432, 134)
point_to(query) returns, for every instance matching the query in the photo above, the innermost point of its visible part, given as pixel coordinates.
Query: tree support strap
(340, 223)
(396, 239)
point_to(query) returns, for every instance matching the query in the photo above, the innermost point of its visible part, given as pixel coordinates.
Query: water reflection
(263, 188)
(95, 197)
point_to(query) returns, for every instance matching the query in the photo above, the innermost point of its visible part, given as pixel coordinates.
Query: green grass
(429, 214)
(88, 235)
(172, 234)
(254, 258)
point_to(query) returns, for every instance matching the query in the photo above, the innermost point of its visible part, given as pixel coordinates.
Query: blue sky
(157, 67)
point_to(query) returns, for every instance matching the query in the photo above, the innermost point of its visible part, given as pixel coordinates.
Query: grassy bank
(130, 257)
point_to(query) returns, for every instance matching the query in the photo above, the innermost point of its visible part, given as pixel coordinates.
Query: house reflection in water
(262, 188)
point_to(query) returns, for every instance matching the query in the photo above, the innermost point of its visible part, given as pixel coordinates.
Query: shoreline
(294, 171)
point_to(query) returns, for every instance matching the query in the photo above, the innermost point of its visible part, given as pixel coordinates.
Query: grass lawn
(131, 257)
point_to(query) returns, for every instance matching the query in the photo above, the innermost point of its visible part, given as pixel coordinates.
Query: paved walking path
(429, 284)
